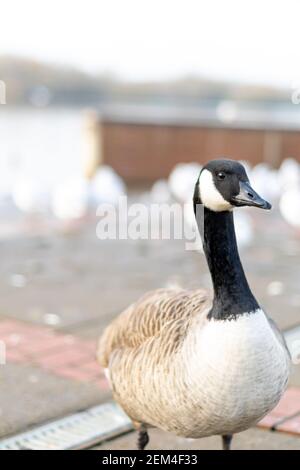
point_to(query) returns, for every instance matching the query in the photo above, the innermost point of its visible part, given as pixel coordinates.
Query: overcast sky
(249, 40)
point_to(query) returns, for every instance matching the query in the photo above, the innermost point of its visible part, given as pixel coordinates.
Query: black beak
(248, 197)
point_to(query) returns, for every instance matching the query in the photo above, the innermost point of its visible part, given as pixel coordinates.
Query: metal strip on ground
(77, 431)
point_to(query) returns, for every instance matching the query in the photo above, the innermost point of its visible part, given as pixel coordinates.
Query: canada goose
(177, 360)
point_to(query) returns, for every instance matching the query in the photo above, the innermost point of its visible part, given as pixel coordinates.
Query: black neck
(232, 294)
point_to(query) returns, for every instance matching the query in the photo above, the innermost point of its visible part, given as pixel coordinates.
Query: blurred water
(44, 144)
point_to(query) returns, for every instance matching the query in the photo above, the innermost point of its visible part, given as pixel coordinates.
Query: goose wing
(163, 312)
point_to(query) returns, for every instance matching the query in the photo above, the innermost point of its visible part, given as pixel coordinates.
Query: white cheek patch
(210, 196)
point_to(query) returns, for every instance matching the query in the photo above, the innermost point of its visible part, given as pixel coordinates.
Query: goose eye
(221, 175)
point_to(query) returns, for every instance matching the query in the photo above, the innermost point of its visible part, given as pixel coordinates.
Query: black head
(223, 185)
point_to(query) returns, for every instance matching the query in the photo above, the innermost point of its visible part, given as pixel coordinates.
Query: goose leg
(226, 439)
(143, 437)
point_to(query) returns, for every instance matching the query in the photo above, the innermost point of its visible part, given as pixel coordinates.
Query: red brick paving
(14, 356)
(73, 358)
(92, 367)
(75, 374)
(288, 406)
(291, 426)
(64, 355)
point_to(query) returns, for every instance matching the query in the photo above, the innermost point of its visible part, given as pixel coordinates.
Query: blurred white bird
(244, 228)
(289, 174)
(71, 199)
(160, 192)
(107, 186)
(30, 195)
(265, 181)
(289, 206)
(182, 181)
(6, 185)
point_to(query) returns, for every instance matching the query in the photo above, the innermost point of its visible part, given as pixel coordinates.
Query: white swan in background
(289, 206)
(30, 195)
(181, 180)
(289, 174)
(160, 192)
(244, 229)
(6, 185)
(289, 179)
(71, 198)
(262, 173)
(107, 186)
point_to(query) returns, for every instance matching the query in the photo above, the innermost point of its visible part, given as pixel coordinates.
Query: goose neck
(232, 294)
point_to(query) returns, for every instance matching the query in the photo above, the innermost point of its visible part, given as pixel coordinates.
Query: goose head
(223, 185)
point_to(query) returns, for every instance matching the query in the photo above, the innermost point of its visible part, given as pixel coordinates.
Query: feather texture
(162, 316)
(171, 367)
